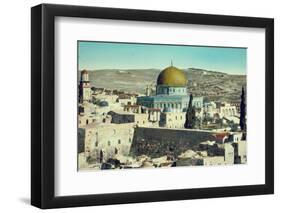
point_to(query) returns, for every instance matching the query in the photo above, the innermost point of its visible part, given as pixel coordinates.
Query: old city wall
(156, 142)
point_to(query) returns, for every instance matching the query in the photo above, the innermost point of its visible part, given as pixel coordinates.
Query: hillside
(210, 84)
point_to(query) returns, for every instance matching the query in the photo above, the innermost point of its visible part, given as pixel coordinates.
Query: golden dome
(172, 76)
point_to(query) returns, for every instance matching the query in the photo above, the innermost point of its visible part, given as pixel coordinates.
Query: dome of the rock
(172, 76)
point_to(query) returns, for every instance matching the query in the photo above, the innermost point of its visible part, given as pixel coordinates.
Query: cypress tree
(190, 115)
(242, 122)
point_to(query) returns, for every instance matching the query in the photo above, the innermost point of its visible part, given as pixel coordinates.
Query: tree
(242, 122)
(190, 118)
(101, 156)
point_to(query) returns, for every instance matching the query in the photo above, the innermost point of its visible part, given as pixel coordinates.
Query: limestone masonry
(118, 129)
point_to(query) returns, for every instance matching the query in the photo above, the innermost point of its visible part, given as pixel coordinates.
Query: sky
(111, 55)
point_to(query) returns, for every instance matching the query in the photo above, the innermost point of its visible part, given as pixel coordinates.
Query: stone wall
(81, 140)
(156, 142)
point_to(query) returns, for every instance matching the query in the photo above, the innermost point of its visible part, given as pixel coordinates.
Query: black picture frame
(43, 105)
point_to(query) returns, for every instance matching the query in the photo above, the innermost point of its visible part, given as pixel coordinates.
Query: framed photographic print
(140, 106)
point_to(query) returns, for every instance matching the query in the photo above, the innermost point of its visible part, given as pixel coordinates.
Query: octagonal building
(171, 92)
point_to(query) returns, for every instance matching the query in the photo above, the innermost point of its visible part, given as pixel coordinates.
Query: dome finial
(171, 62)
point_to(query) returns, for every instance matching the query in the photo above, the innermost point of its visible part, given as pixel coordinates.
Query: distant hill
(126, 80)
(215, 85)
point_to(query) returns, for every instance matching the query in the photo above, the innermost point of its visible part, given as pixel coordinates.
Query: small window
(119, 141)
(97, 144)
(108, 143)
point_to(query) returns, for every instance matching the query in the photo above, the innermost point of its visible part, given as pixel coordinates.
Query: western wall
(156, 142)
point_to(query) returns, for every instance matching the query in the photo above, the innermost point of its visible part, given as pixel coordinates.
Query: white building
(124, 100)
(215, 149)
(210, 109)
(172, 119)
(104, 141)
(227, 110)
(223, 109)
(109, 98)
(85, 92)
(139, 119)
(240, 150)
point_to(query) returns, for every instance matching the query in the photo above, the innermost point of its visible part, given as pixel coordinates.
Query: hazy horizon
(124, 56)
(136, 69)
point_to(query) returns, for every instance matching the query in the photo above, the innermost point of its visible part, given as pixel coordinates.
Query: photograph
(147, 105)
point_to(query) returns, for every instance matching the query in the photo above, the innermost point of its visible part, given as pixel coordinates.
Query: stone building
(171, 92)
(172, 119)
(210, 154)
(133, 108)
(121, 117)
(139, 119)
(126, 99)
(103, 141)
(226, 110)
(85, 92)
(240, 151)
(109, 98)
(234, 137)
(85, 115)
(202, 161)
(154, 115)
(223, 109)
(210, 109)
